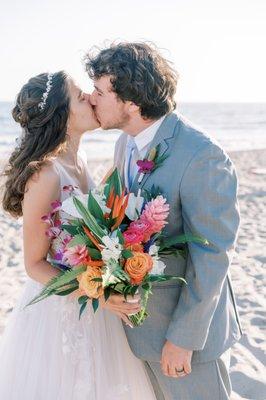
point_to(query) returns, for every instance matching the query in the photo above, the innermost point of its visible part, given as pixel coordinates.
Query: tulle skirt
(47, 353)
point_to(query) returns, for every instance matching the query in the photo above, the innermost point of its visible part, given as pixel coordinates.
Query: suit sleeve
(209, 208)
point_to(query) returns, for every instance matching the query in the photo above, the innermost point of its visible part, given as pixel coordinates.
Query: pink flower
(142, 226)
(76, 255)
(56, 205)
(48, 218)
(133, 237)
(69, 188)
(156, 212)
(67, 239)
(57, 223)
(52, 232)
(145, 166)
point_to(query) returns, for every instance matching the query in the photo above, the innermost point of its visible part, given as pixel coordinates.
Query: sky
(217, 46)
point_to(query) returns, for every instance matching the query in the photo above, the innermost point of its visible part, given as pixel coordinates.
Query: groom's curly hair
(139, 74)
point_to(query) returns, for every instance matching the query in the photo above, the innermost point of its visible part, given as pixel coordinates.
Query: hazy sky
(218, 47)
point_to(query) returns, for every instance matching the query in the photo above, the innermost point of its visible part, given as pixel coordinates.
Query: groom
(185, 342)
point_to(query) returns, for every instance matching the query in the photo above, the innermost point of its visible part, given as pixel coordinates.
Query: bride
(46, 353)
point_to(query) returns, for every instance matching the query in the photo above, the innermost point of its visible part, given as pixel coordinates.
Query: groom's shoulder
(195, 139)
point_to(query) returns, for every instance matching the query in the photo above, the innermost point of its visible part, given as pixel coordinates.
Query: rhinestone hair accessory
(49, 85)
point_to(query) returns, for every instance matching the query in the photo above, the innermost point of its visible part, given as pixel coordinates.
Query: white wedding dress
(47, 353)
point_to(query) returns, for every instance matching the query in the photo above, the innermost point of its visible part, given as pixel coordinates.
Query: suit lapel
(163, 135)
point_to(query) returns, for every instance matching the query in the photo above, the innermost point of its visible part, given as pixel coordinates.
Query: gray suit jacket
(200, 184)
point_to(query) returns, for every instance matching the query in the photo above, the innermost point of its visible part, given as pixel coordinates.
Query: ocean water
(237, 126)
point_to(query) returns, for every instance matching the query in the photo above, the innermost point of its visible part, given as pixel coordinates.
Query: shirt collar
(147, 135)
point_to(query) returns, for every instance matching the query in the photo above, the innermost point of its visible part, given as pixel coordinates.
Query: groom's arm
(209, 208)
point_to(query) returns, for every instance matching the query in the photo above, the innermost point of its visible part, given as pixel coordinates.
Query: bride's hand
(122, 308)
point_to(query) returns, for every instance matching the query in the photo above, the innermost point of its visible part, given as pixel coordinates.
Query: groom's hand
(117, 304)
(175, 361)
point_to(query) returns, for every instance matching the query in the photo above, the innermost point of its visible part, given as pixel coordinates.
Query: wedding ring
(180, 371)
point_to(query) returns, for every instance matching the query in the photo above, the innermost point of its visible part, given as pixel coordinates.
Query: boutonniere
(151, 163)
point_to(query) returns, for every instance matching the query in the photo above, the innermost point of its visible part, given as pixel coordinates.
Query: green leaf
(94, 253)
(73, 230)
(146, 286)
(113, 181)
(127, 253)
(68, 289)
(181, 239)
(107, 293)
(89, 219)
(120, 236)
(163, 278)
(82, 299)
(97, 279)
(78, 240)
(95, 209)
(64, 278)
(82, 308)
(95, 304)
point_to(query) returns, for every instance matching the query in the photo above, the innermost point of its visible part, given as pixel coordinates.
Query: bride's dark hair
(44, 134)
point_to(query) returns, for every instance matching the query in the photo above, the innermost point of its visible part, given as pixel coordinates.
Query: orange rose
(91, 288)
(138, 266)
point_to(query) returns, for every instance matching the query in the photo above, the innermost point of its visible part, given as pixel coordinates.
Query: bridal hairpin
(42, 104)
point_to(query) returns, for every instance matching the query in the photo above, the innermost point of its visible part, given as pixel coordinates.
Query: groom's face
(111, 112)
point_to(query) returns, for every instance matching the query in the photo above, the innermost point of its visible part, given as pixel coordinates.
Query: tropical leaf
(163, 278)
(95, 209)
(95, 304)
(89, 219)
(73, 230)
(82, 309)
(113, 181)
(83, 299)
(94, 253)
(127, 253)
(181, 239)
(59, 281)
(68, 289)
(120, 236)
(78, 240)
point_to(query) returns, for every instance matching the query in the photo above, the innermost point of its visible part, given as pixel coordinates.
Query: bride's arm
(41, 190)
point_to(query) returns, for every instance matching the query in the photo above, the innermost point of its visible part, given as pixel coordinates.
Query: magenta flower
(67, 239)
(133, 237)
(141, 226)
(56, 205)
(53, 232)
(145, 166)
(69, 188)
(48, 218)
(76, 255)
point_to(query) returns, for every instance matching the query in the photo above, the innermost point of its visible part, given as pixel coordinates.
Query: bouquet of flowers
(113, 243)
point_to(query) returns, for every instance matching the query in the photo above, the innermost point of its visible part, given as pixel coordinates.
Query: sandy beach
(248, 356)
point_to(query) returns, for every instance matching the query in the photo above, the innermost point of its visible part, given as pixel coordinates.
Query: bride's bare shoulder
(46, 179)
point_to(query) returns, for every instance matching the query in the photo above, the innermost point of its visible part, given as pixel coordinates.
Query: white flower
(108, 277)
(158, 265)
(69, 207)
(112, 249)
(134, 206)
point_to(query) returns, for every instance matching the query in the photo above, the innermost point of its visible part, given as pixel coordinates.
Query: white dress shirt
(141, 144)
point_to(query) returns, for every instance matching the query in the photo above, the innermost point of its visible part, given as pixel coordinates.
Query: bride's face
(82, 117)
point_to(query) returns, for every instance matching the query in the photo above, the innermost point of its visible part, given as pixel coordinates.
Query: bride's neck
(70, 155)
